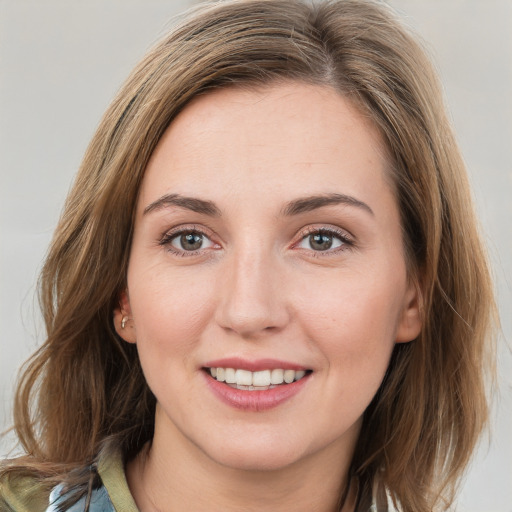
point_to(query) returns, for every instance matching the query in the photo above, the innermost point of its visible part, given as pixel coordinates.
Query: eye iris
(191, 241)
(320, 241)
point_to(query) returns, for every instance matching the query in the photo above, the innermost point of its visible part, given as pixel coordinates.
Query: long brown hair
(84, 387)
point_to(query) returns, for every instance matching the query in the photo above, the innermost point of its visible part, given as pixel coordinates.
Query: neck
(177, 476)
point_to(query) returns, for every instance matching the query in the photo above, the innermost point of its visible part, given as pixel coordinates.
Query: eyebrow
(190, 203)
(307, 204)
(295, 207)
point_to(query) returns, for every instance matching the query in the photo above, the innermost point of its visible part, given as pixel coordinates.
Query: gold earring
(123, 322)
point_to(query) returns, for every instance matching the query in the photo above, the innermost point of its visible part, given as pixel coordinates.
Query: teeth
(289, 375)
(230, 376)
(277, 376)
(261, 378)
(244, 379)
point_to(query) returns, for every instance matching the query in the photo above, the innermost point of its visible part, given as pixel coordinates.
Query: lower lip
(255, 401)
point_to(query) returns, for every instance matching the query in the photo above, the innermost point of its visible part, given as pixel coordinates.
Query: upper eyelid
(184, 228)
(326, 228)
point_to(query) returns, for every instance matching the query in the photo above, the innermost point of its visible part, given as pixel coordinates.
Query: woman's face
(267, 248)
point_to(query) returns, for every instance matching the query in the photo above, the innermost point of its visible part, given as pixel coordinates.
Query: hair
(84, 388)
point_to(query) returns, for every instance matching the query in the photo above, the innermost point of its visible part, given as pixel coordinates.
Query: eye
(186, 241)
(321, 240)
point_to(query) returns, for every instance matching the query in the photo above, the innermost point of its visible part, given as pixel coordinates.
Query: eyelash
(346, 240)
(169, 236)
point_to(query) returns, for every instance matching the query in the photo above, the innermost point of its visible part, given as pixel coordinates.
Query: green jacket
(26, 494)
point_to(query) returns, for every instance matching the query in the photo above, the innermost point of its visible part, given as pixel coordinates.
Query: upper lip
(255, 365)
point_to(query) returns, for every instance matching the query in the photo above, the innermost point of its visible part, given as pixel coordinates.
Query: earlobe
(123, 320)
(411, 319)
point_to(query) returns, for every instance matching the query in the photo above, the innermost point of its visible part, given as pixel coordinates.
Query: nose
(252, 297)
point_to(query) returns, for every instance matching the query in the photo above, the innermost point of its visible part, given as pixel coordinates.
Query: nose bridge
(252, 300)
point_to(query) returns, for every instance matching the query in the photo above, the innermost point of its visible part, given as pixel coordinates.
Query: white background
(61, 62)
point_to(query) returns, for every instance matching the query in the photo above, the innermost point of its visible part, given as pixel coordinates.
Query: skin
(258, 288)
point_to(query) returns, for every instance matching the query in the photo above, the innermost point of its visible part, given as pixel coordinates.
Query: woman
(267, 290)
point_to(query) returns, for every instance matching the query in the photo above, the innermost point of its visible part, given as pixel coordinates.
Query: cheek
(170, 309)
(349, 302)
(353, 319)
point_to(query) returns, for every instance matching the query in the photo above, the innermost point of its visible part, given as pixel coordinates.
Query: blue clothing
(113, 495)
(100, 501)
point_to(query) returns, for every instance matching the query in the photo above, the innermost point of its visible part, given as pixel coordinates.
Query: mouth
(262, 380)
(255, 385)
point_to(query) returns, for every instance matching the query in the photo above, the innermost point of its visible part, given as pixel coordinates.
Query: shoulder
(113, 495)
(26, 494)
(22, 494)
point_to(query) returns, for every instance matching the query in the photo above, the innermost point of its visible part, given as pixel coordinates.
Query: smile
(255, 381)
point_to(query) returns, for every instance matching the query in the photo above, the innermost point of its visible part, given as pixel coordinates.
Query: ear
(411, 319)
(123, 319)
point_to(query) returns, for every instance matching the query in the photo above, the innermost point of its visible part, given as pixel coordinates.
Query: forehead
(274, 139)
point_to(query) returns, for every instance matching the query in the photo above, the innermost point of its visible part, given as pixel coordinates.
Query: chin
(255, 462)
(270, 455)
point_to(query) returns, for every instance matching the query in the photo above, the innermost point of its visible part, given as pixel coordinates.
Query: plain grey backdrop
(61, 61)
